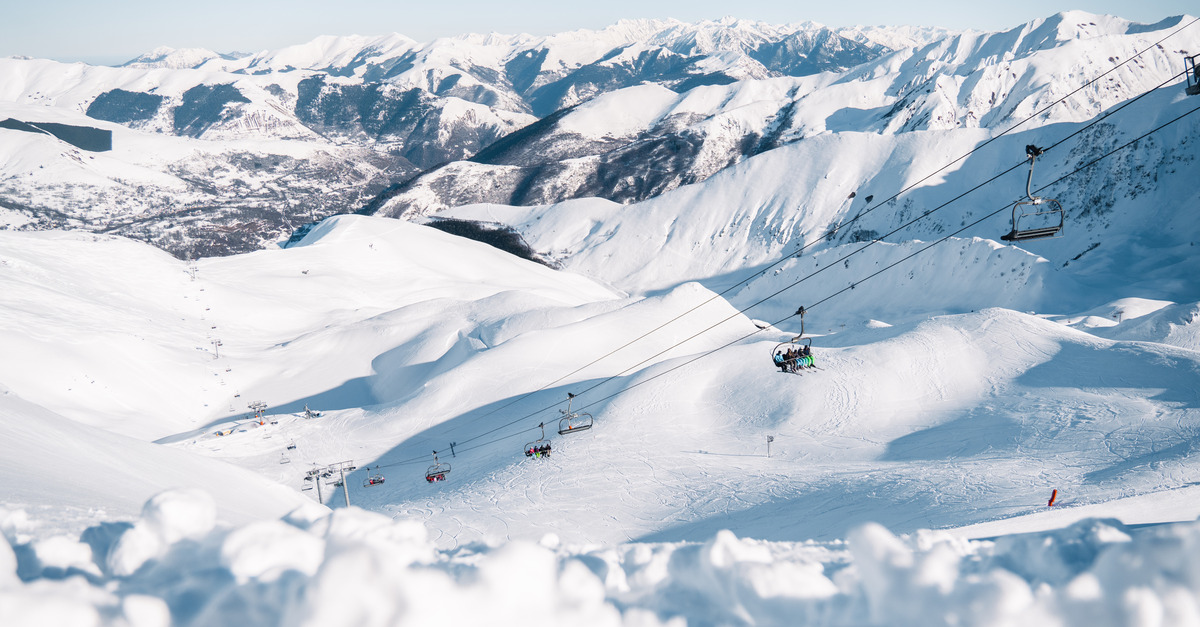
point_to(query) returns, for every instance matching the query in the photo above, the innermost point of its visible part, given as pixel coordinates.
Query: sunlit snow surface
(953, 394)
(408, 339)
(362, 569)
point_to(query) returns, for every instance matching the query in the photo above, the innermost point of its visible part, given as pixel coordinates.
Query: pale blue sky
(113, 31)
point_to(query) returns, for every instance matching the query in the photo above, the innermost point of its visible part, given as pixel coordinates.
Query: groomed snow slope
(408, 339)
(68, 476)
(113, 332)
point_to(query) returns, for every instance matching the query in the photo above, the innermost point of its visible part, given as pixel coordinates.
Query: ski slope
(903, 481)
(407, 339)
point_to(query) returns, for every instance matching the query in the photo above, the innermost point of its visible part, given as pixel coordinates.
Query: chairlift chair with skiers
(573, 422)
(800, 350)
(795, 353)
(373, 478)
(438, 471)
(1036, 217)
(540, 447)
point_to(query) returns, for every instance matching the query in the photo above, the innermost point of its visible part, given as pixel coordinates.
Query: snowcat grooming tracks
(1040, 211)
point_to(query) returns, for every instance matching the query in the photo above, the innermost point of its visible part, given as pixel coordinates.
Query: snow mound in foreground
(354, 567)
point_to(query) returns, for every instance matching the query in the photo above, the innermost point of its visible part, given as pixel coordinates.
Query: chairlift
(540, 447)
(438, 471)
(375, 478)
(573, 422)
(291, 445)
(799, 347)
(283, 459)
(1037, 217)
(1193, 75)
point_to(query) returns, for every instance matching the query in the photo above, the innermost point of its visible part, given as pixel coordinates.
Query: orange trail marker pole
(1053, 495)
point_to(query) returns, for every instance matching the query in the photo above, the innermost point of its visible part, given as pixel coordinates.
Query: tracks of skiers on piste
(845, 395)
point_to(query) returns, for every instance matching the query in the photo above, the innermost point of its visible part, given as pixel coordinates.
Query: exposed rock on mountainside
(217, 144)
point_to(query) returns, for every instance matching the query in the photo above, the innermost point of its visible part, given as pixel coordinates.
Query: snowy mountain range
(248, 147)
(993, 433)
(634, 144)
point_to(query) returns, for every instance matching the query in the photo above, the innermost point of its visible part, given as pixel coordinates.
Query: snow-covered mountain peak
(341, 54)
(169, 58)
(896, 37)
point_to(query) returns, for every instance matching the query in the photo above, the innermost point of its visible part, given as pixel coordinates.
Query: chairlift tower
(217, 349)
(259, 408)
(340, 468)
(1193, 75)
(314, 476)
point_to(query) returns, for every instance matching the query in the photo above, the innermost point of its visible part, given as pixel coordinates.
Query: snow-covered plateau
(376, 422)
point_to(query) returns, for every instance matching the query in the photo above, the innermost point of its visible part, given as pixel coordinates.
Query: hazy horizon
(74, 30)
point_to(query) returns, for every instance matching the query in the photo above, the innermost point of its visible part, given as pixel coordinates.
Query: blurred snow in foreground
(173, 566)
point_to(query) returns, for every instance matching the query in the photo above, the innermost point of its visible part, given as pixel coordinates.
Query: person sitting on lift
(780, 361)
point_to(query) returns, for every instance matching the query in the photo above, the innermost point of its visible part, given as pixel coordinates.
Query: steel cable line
(996, 212)
(879, 239)
(804, 247)
(814, 273)
(896, 263)
(854, 284)
(818, 303)
(840, 226)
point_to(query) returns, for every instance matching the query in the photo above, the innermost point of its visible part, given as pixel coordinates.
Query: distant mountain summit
(637, 143)
(219, 153)
(164, 57)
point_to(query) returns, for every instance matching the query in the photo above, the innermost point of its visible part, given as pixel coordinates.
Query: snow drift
(354, 567)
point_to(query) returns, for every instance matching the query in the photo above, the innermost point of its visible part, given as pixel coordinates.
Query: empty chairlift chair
(1036, 217)
(573, 422)
(438, 471)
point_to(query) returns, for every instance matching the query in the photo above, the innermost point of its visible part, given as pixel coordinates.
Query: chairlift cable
(925, 214)
(847, 256)
(892, 265)
(996, 212)
(814, 273)
(838, 228)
